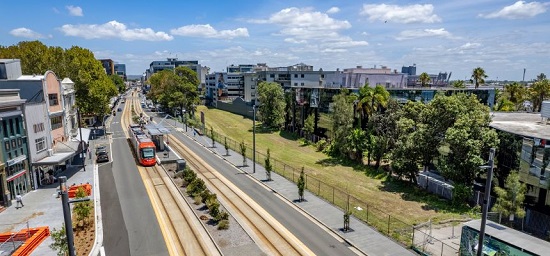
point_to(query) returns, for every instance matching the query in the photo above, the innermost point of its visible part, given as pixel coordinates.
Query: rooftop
(521, 123)
(512, 236)
(31, 77)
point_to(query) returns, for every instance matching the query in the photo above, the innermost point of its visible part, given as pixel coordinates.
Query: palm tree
(541, 77)
(539, 91)
(370, 100)
(424, 79)
(516, 93)
(459, 84)
(478, 76)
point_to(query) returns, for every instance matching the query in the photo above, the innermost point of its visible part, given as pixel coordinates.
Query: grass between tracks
(400, 200)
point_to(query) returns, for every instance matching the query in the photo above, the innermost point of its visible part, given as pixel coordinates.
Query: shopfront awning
(55, 159)
(85, 134)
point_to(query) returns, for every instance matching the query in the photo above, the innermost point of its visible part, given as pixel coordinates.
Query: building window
(38, 127)
(272, 75)
(302, 84)
(295, 84)
(5, 126)
(7, 145)
(56, 122)
(295, 75)
(19, 142)
(13, 144)
(11, 127)
(322, 75)
(53, 99)
(17, 126)
(302, 75)
(40, 144)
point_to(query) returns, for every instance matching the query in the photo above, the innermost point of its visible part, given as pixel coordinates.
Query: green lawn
(398, 199)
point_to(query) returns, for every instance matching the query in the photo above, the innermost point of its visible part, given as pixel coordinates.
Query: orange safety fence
(37, 235)
(74, 188)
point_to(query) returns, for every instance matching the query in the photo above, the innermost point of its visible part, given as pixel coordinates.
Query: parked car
(119, 109)
(100, 149)
(102, 157)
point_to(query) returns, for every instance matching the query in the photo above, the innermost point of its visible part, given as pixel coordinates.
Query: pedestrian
(194, 132)
(19, 200)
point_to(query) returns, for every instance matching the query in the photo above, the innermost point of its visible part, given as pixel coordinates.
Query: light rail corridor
(183, 231)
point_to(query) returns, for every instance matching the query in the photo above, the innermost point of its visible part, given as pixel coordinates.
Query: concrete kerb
(97, 249)
(290, 202)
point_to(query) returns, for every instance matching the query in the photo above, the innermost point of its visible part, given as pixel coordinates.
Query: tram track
(268, 233)
(183, 232)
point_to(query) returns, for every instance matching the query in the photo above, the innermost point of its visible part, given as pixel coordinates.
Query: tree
(357, 144)
(212, 135)
(541, 77)
(539, 91)
(268, 166)
(82, 210)
(93, 87)
(309, 126)
(468, 139)
(458, 84)
(508, 155)
(301, 185)
(342, 122)
(59, 237)
(226, 146)
(515, 93)
(370, 101)
(119, 83)
(510, 198)
(385, 126)
(272, 104)
(424, 79)
(478, 76)
(175, 89)
(243, 152)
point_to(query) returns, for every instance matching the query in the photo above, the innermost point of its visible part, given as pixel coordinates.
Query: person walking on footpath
(19, 200)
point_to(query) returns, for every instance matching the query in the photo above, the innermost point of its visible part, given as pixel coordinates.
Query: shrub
(211, 199)
(82, 210)
(205, 195)
(198, 200)
(321, 145)
(223, 215)
(189, 175)
(461, 194)
(214, 210)
(196, 187)
(223, 224)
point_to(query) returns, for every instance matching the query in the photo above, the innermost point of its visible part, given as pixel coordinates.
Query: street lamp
(82, 146)
(485, 206)
(67, 214)
(254, 138)
(63, 192)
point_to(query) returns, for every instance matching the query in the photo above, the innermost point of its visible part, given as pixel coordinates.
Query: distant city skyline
(502, 37)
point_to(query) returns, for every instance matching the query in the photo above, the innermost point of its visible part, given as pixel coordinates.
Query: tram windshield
(147, 153)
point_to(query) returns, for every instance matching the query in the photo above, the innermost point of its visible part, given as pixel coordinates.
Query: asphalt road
(314, 237)
(130, 226)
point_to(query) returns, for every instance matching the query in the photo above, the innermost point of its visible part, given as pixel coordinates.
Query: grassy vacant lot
(396, 198)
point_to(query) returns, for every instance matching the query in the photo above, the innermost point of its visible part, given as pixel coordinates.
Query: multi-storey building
(410, 70)
(172, 63)
(50, 119)
(355, 78)
(14, 174)
(120, 70)
(108, 65)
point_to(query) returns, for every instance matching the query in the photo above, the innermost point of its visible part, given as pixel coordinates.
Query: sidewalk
(44, 208)
(362, 237)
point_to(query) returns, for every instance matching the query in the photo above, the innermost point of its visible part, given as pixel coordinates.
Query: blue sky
(503, 37)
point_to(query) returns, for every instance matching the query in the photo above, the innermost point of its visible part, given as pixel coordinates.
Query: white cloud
(26, 33)
(209, 32)
(305, 25)
(401, 14)
(518, 10)
(74, 10)
(114, 29)
(333, 10)
(412, 34)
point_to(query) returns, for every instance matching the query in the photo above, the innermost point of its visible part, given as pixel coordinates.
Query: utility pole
(487, 196)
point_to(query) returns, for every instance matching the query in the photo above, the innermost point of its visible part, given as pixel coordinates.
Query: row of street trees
(94, 88)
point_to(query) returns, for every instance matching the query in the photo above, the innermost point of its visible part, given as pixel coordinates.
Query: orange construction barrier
(72, 190)
(37, 235)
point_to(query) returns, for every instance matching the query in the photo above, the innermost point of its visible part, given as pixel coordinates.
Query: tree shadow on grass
(356, 166)
(289, 135)
(411, 192)
(264, 130)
